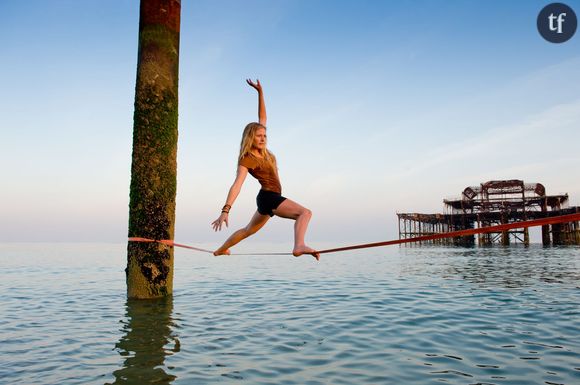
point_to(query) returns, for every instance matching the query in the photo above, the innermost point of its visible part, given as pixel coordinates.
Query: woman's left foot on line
(301, 250)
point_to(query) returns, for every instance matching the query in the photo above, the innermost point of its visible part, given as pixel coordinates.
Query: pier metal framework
(494, 203)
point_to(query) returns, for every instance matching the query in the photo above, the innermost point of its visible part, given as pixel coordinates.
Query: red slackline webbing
(168, 243)
(452, 234)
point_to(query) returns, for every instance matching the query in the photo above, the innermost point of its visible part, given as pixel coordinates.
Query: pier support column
(505, 235)
(557, 234)
(546, 235)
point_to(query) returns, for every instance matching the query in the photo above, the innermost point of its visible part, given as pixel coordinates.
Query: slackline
(451, 234)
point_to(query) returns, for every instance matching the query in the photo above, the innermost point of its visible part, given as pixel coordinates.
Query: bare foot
(301, 250)
(219, 252)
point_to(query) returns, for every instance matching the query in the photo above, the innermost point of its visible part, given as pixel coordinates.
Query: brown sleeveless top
(264, 172)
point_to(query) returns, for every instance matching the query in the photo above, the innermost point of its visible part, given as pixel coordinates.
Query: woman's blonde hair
(248, 141)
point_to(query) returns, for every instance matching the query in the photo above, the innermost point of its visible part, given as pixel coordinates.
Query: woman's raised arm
(261, 105)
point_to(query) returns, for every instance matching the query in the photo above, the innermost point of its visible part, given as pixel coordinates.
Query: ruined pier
(494, 203)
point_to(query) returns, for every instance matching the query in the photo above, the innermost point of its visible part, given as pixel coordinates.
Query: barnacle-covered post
(154, 162)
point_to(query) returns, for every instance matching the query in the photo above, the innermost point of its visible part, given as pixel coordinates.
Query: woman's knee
(307, 213)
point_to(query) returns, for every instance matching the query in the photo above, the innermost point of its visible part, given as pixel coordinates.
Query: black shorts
(268, 201)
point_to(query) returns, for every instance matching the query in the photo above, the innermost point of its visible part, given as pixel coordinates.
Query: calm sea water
(378, 316)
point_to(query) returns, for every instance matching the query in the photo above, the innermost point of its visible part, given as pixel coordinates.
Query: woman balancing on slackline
(256, 159)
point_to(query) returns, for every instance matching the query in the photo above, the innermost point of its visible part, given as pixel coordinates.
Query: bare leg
(256, 223)
(292, 210)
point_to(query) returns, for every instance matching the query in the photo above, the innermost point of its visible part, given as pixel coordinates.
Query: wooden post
(154, 163)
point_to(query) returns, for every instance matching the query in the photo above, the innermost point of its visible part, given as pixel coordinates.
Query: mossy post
(154, 163)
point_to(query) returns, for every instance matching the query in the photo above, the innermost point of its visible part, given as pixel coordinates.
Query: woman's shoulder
(249, 161)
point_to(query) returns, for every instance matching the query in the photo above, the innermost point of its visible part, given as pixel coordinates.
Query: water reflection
(517, 267)
(149, 337)
(509, 267)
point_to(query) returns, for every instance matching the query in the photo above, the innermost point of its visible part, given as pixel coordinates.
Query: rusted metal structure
(494, 203)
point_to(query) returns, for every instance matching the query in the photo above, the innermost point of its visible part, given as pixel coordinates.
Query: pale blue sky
(374, 107)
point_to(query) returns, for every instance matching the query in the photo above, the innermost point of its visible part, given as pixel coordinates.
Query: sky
(374, 108)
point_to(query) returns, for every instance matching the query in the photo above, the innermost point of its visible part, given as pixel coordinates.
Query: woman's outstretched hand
(255, 85)
(217, 224)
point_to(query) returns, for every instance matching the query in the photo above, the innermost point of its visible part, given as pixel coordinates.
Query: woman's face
(260, 139)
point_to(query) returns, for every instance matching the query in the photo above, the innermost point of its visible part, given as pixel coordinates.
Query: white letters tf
(560, 21)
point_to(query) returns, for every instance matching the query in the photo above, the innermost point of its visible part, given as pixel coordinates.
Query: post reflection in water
(148, 339)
